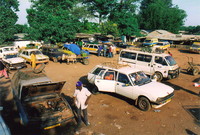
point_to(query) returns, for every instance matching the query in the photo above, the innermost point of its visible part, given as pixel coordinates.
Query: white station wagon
(131, 83)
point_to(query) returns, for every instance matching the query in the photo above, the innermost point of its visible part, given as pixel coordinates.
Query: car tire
(95, 90)
(55, 60)
(85, 61)
(195, 71)
(144, 104)
(158, 76)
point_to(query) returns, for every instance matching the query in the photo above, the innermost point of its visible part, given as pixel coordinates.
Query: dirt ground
(111, 114)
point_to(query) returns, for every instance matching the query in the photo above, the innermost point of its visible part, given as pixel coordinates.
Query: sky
(191, 7)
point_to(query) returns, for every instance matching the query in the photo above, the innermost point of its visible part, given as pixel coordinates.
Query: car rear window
(96, 71)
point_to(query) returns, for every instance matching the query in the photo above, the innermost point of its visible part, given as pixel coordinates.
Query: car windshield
(160, 44)
(196, 45)
(147, 41)
(37, 52)
(170, 60)
(10, 56)
(8, 49)
(139, 78)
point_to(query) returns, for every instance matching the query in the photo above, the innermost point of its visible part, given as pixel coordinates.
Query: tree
(161, 14)
(125, 17)
(100, 8)
(8, 18)
(52, 21)
(21, 28)
(109, 28)
(89, 27)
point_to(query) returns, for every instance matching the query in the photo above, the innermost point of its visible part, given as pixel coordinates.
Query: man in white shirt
(81, 97)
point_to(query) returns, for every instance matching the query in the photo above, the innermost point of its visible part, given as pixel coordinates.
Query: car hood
(157, 89)
(14, 60)
(41, 89)
(41, 56)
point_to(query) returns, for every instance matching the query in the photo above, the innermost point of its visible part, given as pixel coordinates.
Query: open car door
(105, 81)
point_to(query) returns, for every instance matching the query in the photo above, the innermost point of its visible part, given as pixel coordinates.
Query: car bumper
(17, 66)
(173, 73)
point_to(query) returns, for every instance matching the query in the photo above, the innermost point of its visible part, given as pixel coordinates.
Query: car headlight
(171, 71)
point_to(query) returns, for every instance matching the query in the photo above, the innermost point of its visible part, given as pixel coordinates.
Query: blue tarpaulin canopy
(74, 48)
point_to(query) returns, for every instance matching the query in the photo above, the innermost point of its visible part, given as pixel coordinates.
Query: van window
(160, 60)
(96, 71)
(145, 58)
(128, 55)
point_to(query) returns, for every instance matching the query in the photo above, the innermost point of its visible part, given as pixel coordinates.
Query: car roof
(120, 67)
(29, 50)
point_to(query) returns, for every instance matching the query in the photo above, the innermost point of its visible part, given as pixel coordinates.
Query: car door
(160, 65)
(144, 63)
(95, 72)
(105, 81)
(124, 86)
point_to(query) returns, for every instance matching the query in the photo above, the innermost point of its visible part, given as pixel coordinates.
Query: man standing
(3, 69)
(81, 97)
(33, 60)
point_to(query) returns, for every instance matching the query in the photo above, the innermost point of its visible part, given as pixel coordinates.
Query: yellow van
(150, 41)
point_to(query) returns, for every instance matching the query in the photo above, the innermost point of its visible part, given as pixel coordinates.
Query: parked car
(92, 48)
(131, 83)
(158, 65)
(195, 47)
(13, 61)
(39, 101)
(40, 57)
(4, 129)
(120, 46)
(7, 50)
(150, 42)
(162, 45)
(53, 53)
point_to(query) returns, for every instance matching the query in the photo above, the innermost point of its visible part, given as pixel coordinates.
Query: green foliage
(89, 27)
(21, 28)
(8, 18)
(124, 16)
(109, 28)
(100, 8)
(161, 14)
(192, 29)
(52, 21)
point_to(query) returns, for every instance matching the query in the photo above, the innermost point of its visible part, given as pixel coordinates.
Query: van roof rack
(115, 64)
(147, 49)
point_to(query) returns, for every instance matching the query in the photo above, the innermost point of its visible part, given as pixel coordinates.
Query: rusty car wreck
(39, 101)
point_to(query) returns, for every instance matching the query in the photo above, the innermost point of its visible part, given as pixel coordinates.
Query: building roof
(165, 35)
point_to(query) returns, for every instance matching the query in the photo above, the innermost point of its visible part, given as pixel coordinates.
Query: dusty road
(111, 114)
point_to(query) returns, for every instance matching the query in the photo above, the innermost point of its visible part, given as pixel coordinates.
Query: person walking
(3, 71)
(99, 50)
(104, 50)
(33, 60)
(81, 97)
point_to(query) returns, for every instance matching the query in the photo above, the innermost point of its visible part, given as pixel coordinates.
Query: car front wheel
(144, 104)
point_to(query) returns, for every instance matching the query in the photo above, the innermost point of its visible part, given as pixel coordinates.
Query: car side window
(145, 58)
(160, 60)
(0, 51)
(128, 55)
(96, 47)
(97, 71)
(123, 78)
(109, 75)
